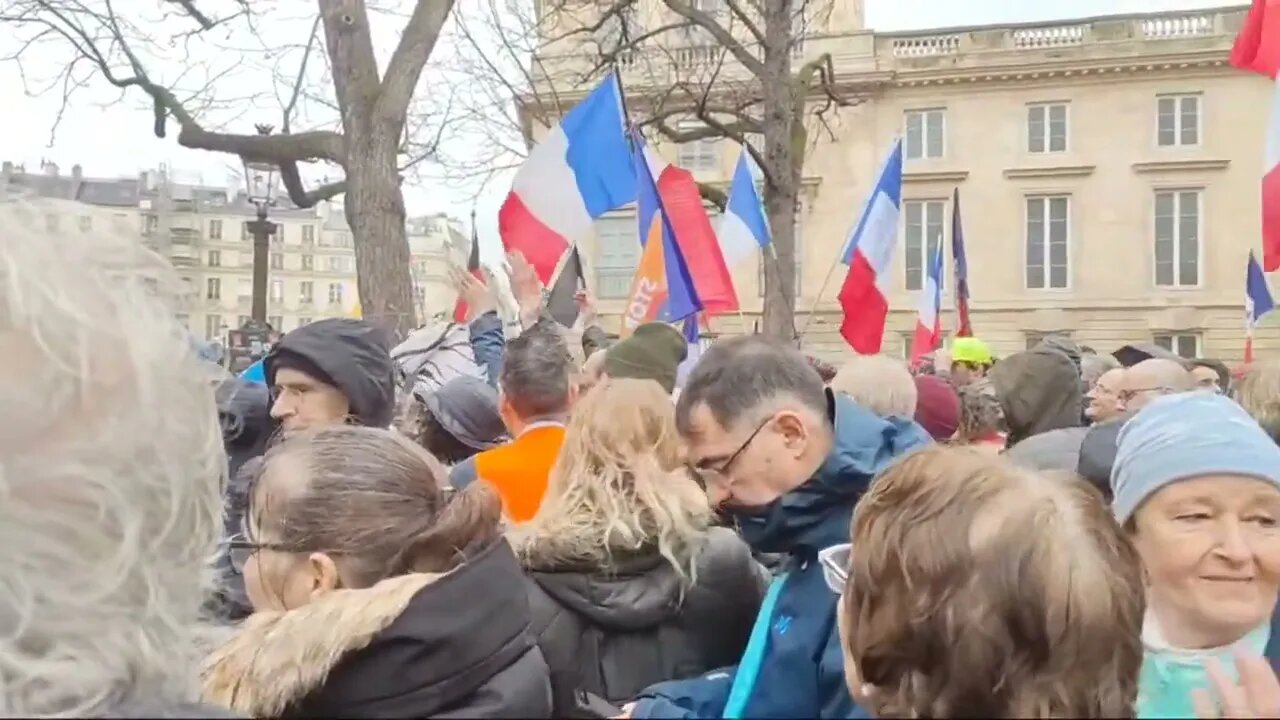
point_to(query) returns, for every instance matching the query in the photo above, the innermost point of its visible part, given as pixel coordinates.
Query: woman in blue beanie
(1196, 484)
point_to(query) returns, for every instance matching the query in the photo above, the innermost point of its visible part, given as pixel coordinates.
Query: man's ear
(791, 427)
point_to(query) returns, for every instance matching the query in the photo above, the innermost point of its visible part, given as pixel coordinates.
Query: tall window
(215, 229)
(308, 263)
(215, 258)
(212, 327)
(696, 154)
(926, 133)
(923, 234)
(1047, 128)
(1177, 120)
(335, 293)
(1048, 236)
(1184, 345)
(277, 292)
(306, 292)
(213, 289)
(1177, 238)
(308, 234)
(277, 261)
(618, 255)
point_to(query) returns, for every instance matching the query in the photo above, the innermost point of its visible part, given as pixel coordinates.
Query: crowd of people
(580, 528)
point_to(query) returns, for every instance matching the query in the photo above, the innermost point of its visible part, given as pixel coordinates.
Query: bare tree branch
(721, 34)
(416, 43)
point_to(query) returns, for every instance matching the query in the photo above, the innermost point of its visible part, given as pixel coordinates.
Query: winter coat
(1053, 450)
(615, 634)
(1039, 391)
(413, 646)
(794, 665)
(1098, 452)
(352, 355)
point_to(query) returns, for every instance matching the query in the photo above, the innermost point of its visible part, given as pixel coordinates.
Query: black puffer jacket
(614, 635)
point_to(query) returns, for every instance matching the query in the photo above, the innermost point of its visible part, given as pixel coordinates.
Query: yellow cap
(970, 350)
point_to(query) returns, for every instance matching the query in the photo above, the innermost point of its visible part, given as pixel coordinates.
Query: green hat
(653, 352)
(970, 350)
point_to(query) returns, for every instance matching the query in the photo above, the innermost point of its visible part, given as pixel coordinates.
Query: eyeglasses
(835, 566)
(240, 549)
(1130, 394)
(705, 474)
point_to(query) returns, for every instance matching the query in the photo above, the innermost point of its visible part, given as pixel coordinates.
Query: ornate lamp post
(252, 341)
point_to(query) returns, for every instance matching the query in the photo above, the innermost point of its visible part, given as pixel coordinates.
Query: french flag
(928, 335)
(579, 171)
(743, 228)
(1257, 302)
(1257, 49)
(869, 253)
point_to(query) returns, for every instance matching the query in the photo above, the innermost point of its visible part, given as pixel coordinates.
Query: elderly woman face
(1211, 549)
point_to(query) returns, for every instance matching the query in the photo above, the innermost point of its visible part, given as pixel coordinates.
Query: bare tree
(736, 67)
(371, 133)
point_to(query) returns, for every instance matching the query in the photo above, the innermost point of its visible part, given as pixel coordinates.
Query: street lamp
(254, 339)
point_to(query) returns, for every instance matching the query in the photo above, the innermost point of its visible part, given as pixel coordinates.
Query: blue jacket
(487, 345)
(794, 665)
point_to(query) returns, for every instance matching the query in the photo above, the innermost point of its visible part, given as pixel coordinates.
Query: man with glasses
(787, 460)
(1152, 378)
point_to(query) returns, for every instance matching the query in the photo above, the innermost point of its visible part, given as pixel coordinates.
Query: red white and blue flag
(869, 253)
(960, 269)
(928, 335)
(1257, 49)
(1257, 302)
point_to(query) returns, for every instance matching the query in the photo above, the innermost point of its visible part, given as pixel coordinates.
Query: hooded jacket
(353, 356)
(794, 665)
(413, 646)
(1054, 450)
(614, 635)
(1039, 391)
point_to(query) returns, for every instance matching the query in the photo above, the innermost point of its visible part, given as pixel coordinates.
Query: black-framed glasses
(704, 474)
(1131, 394)
(240, 549)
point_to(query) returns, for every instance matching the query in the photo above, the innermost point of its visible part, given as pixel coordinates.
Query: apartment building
(1108, 170)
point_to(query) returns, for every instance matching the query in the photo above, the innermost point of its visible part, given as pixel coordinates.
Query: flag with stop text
(662, 289)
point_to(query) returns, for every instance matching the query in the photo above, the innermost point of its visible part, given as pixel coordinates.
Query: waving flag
(693, 343)
(960, 268)
(928, 335)
(1257, 49)
(473, 267)
(743, 228)
(663, 289)
(869, 253)
(1257, 302)
(579, 171)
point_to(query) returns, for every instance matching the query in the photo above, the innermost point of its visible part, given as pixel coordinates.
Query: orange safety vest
(519, 470)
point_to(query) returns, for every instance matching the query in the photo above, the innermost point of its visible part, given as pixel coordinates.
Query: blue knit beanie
(1178, 437)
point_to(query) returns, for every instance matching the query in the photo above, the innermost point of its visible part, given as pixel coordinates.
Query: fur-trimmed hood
(410, 646)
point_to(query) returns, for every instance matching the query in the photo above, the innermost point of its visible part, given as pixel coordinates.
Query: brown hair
(374, 501)
(1258, 392)
(978, 589)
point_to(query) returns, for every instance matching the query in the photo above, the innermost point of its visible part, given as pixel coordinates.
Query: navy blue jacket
(801, 671)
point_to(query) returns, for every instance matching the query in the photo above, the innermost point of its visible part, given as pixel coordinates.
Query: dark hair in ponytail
(375, 501)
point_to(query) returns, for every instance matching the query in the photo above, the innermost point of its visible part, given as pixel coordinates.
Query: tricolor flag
(1257, 302)
(693, 341)
(473, 267)
(960, 269)
(663, 289)
(1257, 49)
(869, 253)
(579, 171)
(744, 231)
(928, 335)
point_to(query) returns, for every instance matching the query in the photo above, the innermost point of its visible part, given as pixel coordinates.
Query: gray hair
(111, 471)
(535, 372)
(878, 383)
(738, 376)
(1093, 367)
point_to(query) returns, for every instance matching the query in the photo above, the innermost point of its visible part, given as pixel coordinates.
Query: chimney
(76, 171)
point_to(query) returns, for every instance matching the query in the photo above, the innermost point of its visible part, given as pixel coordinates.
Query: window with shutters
(1047, 128)
(697, 155)
(213, 289)
(277, 291)
(1177, 250)
(212, 327)
(617, 255)
(277, 261)
(335, 293)
(925, 134)
(1048, 232)
(306, 292)
(922, 234)
(1177, 120)
(1184, 345)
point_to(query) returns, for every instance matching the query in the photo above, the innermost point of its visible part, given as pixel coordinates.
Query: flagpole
(818, 298)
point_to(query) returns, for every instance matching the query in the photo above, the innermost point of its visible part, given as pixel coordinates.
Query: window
(1178, 120)
(1048, 231)
(1184, 345)
(923, 235)
(619, 254)
(1178, 238)
(215, 229)
(766, 258)
(308, 234)
(276, 322)
(212, 327)
(1035, 338)
(696, 155)
(215, 258)
(304, 321)
(244, 232)
(277, 292)
(335, 293)
(338, 263)
(213, 289)
(926, 131)
(86, 223)
(1047, 128)
(342, 239)
(308, 263)
(306, 292)
(151, 223)
(277, 261)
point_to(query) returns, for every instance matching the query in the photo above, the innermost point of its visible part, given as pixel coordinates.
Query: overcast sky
(116, 139)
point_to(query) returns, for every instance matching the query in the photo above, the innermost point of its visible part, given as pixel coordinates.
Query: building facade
(203, 231)
(1108, 170)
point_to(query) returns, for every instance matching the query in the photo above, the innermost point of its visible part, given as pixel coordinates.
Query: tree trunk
(783, 177)
(375, 211)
